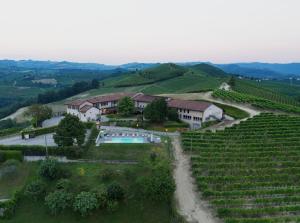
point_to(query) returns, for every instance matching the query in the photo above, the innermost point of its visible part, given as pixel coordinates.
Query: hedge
(10, 154)
(9, 206)
(40, 131)
(33, 150)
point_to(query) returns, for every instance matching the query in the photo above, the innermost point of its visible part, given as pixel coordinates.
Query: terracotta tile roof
(85, 108)
(189, 105)
(145, 98)
(77, 102)
(110, 97)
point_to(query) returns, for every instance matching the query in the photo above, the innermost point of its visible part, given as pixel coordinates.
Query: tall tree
(70, 131)
(156, 111)
(39, 113)
(126, 106)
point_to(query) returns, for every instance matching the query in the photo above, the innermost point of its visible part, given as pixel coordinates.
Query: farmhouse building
(192, 112)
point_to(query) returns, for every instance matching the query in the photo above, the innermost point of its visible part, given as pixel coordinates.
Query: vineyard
(256, 101)
(256, 89)
(250, 172)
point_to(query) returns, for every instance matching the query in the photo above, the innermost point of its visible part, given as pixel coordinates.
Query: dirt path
(189, 203)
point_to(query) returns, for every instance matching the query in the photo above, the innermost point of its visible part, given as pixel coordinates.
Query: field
(250, 173)
(256, 101)
(88, 177)
(260, 89)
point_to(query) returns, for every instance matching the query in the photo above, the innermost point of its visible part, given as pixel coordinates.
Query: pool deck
(108, 134)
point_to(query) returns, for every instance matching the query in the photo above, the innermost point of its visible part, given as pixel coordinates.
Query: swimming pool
(126, 140)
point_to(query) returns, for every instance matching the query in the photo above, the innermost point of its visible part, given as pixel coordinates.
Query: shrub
(64, 184)
(85, 203)
(9, 169)
(159, 186)
(101, 195)
(107, 174)
(35, 189)
(115, 191)
(10, 154)
(58, 201)
(50, 169)
(112, 206)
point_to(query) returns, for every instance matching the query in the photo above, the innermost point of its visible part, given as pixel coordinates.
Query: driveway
(39, 140)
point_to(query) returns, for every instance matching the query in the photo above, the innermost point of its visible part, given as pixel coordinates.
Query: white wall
(212, 113)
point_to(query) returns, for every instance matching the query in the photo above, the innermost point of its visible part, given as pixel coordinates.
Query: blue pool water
(127, 140)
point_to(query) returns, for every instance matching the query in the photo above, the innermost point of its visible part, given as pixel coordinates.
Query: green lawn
(109, 151)
(87, 176)
(232, 111)
(14, 180)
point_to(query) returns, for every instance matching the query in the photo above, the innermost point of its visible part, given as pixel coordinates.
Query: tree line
(51, 96)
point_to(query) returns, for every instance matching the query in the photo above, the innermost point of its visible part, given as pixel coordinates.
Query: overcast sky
(121, 31)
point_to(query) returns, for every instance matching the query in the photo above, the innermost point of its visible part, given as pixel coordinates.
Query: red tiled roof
(145, 98)
(77, 102)
(85, 108)
(189, 105)
(110, 97)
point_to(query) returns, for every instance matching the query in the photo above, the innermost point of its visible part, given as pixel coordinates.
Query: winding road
(189, 202)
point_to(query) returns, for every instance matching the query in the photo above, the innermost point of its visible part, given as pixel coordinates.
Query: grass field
(108, 151)
(250, 172)
(88, 176)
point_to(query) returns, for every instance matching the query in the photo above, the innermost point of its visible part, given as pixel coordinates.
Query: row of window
(184, 110)
(188, 117)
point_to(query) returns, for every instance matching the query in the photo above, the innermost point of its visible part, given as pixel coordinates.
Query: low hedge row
(40, 131)
(10, 154)
(33, 150)
(8, 207)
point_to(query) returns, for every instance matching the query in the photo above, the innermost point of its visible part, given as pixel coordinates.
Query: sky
(122, 31)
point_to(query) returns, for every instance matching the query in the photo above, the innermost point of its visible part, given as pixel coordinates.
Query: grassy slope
(132, 210)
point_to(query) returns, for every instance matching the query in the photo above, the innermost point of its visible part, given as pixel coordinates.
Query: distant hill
(263, 70)
(167, 78)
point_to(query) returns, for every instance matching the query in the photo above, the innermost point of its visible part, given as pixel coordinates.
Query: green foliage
(10, 154)
(173, 115)
(85, 203)
(50, 169)
(106, 174)
(256, 160)
(112, 205)
(64, 184)
(58, 201)
(159, 186)
(156, 111)
(39, 113)
(101, 194)
(126, 106)
(69, 131)
(39, 131)
(256, 101)
(35, 189)
(115, 191)
(8, 207)
(233, 111)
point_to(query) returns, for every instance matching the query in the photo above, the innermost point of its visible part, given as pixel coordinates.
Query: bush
(58, 201)
(115, 191)
(8, 207)
(38, 131)
(106, 174)
(10, 154)
(85, 203)
(159, 186)
(64, 184)
(34, 150)
(112, 206)
(35, 189)
(50, 169)
(101, 195)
